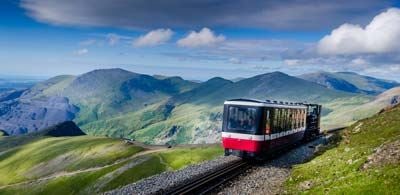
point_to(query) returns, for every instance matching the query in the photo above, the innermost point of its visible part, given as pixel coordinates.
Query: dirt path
(64, 174)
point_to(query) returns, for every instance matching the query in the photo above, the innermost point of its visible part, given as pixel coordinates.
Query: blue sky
(199, 39)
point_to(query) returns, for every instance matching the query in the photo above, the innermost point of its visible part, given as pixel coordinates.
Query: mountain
(85, 98)
(23, 115)
(119, 103)
(197, 114)
(350, 82)
(275, 85)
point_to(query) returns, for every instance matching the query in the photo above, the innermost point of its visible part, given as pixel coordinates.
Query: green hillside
(46, 156)
(365, 161)
(86, 164)
(350, 110)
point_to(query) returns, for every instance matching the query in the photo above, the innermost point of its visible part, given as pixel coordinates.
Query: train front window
(242, 118)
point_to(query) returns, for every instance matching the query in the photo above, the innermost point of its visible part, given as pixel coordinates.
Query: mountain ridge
(120, 103)
(350, 82)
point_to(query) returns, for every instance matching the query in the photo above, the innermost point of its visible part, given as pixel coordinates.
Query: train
(256, 129)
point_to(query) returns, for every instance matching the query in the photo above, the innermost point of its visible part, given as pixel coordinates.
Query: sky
(200, 39)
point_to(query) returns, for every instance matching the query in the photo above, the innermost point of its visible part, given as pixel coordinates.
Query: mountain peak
(109, 71)
(218, 80)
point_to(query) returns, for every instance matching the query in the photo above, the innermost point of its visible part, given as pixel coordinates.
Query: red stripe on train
(241, 144)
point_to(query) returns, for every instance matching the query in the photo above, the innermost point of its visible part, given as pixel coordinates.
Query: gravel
(166, 181)
(268, 177)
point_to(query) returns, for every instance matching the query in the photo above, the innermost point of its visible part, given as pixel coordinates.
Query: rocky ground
(268, 177)
(388, 153)
(166, 181)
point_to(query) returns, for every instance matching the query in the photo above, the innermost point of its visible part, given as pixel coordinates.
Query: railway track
(209, 182)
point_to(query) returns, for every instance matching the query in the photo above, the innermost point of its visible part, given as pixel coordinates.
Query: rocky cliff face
(19, 113)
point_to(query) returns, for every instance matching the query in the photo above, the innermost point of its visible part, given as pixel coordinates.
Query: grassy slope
(344, 112)
(337, 171)
(49, 155)
(36, 158)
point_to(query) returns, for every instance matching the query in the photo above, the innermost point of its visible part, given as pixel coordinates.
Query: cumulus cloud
(381, 35)
(150, 14)
(81, 52)
(153, 38)
(205, 37)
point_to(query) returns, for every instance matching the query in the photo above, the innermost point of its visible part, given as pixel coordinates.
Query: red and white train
(253, 128)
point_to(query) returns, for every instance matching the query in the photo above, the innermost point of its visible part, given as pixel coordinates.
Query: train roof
(266, 103)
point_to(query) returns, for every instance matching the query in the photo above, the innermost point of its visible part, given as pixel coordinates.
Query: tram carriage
(253, 128)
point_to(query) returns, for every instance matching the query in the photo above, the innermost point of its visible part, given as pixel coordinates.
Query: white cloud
(205, 37)
(292, 62)
(359, 62)
(381, 35)
(235, 60)
(81, 52)
(153, 38)
(113, 38)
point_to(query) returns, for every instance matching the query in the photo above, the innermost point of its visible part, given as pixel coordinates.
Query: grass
(76, 184)
(338, 170)
(9, 142)
(31, 160)
(148, 168)
(182, 157)
(344, 112)
(48, 155)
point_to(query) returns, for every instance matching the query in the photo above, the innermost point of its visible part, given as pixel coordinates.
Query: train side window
(275, 123)
(286, 119)
(279, 129)
(267, 121)
(291, 119)
(283, 120)
(298, 118)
